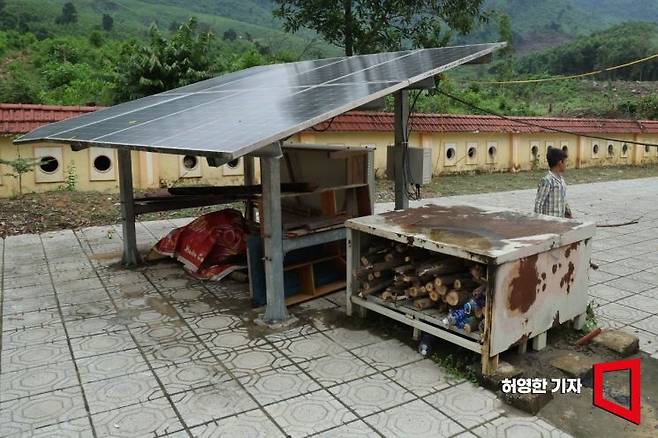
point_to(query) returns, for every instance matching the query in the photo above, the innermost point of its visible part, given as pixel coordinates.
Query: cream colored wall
(513, 152)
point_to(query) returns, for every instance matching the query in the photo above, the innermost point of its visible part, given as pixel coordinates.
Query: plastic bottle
(427, 344)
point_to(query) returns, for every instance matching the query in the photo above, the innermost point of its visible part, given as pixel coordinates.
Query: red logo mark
(633, 366)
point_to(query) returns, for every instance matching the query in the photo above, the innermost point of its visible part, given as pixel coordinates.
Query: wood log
(423, 303)
(481, 326)
(429, 286)
(417, 291)
(440, 289)
(471, 324)
(476, 271)
(404, 268)
(434, 295)
(448, 279)
(480, 290)
(365, 291)
(456, 298)
(377, 281)
(440, 268)
(465, 284)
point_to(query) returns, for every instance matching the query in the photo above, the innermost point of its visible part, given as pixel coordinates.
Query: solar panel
(238, 113)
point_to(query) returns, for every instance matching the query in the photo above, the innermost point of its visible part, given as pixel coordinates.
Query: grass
(482, 182)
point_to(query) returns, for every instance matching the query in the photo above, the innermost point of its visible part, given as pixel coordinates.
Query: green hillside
(543, 24)
(132, 18)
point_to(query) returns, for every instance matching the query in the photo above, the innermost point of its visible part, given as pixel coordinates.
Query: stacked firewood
(400, 273)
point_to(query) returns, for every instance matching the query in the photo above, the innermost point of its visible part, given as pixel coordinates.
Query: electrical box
(420, 164)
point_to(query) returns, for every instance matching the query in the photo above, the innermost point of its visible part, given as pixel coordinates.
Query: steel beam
(276, 311)
(130, 253)
(249, 180)
(401, 117)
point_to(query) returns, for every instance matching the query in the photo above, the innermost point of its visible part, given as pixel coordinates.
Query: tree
(107, 22)
(69, 14)
(163, 64)
(95, 38)
(21, 166)
(365, 26)
(230, 35)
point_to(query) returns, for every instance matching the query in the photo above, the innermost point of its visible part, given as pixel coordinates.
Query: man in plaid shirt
(552, 191)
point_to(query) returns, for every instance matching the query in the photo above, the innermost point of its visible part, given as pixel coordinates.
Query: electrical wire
(325, 128)
(536, 125)
(415, 193)
(565, 77)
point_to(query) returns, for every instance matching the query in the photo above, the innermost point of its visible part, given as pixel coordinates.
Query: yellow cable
(559, 78)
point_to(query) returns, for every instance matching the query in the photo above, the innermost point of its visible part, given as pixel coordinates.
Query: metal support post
(276, 311)
(249, 180)
(401, 119)
(130, 254)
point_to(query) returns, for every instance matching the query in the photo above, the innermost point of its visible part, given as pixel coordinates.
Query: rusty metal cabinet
(537, 270)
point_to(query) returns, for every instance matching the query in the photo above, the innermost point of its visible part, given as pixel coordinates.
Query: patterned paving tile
(371, 394)
(630, 285)
(258, 359)
(310, 413)
(202, 405)
(179, 351)
(387, 354)
(415, 419)
(641, 302)
(337, 368)
(519, 427)
(30, 304)
(34, 356)
(623, 314)
(422, 378)
(648, 340)
(29, 413)
(609, 293)
(101, 343)
(355, 429)
(649, 324)
(95, 326)
(25, 320)
(118, 392)
(90, 296)
(110, 365)
(160, 334)
(37, 380)
(467, 404)
(88, 310)
(214, 322)
(148, 419)
(232, 340)
(80, 428)
(33, 336)
(351, 339)
(304, 348)
(78, 285)
(20, 293)
(193, 374)
(649, 277)
(279, 384)
(252, 424)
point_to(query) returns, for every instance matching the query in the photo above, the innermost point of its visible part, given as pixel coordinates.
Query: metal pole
(130, 254)
(249, 179)
(276, 311)
(401, 119)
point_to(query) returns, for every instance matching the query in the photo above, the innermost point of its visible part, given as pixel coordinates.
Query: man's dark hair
(554, 156)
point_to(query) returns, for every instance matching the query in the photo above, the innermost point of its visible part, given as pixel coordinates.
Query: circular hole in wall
(102, 163)
(611, 150)
(234, 163)
(647, 148)
(492, 151)
(595, 149)
(534, 151)
(624, 149)
(48, 164)
(565, 149)
(190, 162)
(450, 153)
(471, 152)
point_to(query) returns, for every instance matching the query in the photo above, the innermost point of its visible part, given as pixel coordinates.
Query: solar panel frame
(150, 123)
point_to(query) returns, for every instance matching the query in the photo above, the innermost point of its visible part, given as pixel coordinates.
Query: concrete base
(275, 325)
(493, 381)
(620, 342)
(573, 364)
(530, 403)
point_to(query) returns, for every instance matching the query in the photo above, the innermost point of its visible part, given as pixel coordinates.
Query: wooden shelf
(322, 290)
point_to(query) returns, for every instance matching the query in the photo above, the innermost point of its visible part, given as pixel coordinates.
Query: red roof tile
(18, 118)
(380, 121)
